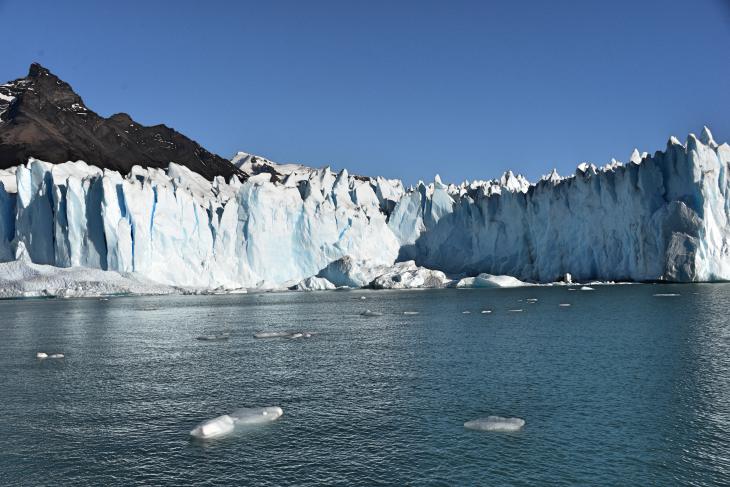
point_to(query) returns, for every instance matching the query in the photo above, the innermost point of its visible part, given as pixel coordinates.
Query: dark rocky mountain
(42, 117)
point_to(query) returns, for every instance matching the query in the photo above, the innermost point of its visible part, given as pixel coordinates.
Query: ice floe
(495, 423)
(282, 334)
(489, 281)
(226, 424)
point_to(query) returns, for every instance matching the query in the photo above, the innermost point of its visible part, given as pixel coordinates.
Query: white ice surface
(495, 423)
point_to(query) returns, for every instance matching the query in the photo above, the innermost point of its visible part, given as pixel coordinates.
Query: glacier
(657, 217)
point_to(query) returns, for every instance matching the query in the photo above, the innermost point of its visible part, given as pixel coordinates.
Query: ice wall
(657, 217)
(177, 228)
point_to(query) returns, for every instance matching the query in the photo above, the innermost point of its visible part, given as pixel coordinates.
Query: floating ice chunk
(410, 312)
(486, 311)
(214, 338)
(282, 334)
(271, 334)
(225, 424)
(363, 298)
(586, 288)
(314, 284)
(256, 415)
(666, 295)
(41, 355)
(495, 423)
(466, 312)
(214, 428)
(531, 300)
(367, 312)
(56, 355)
(565, 305)
(572, 289)
(488, 281)
(515, 311)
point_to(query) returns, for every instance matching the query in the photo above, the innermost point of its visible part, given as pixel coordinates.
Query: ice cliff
(660, 217)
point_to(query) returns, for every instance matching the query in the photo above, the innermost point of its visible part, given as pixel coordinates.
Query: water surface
(622, 387)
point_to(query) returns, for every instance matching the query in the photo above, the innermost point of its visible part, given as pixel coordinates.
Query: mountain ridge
(41, 116)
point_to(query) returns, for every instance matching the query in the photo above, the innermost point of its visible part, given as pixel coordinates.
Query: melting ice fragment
(214, 428)
(271, 334)
(495, 423)
(226, 424)
(256, 415)
(41, 355)
(586, 288)
(666, 295)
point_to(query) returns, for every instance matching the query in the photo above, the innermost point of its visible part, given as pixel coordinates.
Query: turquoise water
(621, 388)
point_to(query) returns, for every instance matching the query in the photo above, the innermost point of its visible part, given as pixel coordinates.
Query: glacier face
(657, 217)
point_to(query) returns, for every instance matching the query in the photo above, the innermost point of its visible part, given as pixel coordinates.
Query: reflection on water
(622, 387)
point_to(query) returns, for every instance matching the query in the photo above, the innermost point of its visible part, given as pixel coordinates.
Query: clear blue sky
(396, 88)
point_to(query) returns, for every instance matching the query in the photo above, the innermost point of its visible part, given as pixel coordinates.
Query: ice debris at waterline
(486, 311)
(666, 295)
(564, 305)
(495, 423)
(410, 313)
(179, 229)
(586, 288)
(226, 424)
(367, 312)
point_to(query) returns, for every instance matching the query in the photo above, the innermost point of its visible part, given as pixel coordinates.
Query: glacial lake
(621, 388)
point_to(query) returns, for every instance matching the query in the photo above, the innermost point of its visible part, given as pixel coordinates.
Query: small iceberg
(486, 311)
(531, 300)
(214, 338)
(495, 423)
(214, 428)
(515, 311)
(256, 415)
(271, 334)
(282, 334)
(586, 288)
(56, 355)
(226, 424)
(367, 312)
(410, 313)
(564, 305)
(363, 298)
(41, 355)
(466, 312)
(666, 295)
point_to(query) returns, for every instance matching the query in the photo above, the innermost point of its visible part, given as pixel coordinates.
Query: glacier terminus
(661, 217)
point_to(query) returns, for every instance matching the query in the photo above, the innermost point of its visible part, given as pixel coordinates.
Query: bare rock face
(42, 117)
